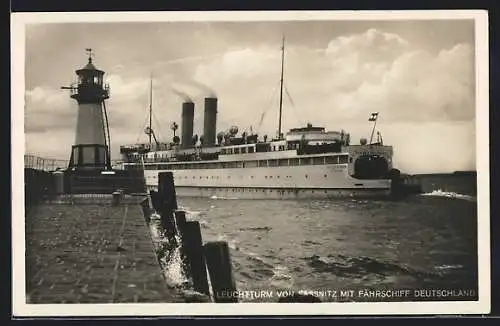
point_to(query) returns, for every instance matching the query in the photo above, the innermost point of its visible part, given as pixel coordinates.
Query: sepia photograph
(250, 163)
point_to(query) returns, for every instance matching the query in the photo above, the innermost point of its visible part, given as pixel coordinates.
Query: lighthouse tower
(90, 150)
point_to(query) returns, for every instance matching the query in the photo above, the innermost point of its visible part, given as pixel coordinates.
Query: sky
(419, 75)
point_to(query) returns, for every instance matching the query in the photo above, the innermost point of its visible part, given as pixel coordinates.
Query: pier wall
(38, 185)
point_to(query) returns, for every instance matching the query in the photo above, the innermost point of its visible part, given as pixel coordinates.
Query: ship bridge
(313, 135)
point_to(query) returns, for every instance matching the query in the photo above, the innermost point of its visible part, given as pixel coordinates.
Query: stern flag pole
(373, 117)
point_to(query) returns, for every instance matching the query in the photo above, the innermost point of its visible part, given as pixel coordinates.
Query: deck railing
(49, 164)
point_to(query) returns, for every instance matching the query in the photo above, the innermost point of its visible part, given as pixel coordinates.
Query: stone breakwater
(91, 253)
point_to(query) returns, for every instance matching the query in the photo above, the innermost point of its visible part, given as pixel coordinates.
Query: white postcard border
(22, 309)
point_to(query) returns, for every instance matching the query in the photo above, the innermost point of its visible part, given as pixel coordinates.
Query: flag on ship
(373, 117)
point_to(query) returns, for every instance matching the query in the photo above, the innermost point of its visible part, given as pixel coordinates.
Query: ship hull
(299, 182)
(277, 193)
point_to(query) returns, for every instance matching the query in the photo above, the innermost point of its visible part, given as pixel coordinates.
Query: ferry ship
(305, 162)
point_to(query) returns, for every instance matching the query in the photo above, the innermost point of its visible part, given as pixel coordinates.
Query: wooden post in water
(166, 188)
(168, 205)
(146, 209)
(219, 267)
(193, 250)
(155, 200)
(180, 223)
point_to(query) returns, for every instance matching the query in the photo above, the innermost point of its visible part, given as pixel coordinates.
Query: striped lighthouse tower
(90, 150)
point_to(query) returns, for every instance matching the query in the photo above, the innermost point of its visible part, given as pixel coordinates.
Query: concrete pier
(92, 253)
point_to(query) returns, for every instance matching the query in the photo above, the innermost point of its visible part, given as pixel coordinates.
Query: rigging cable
(262, 115)
(293, 106)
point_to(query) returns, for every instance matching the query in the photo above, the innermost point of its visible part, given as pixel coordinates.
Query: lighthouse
(90, 150)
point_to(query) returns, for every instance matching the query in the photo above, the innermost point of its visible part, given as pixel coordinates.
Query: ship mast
(150, 108)
(281, 86)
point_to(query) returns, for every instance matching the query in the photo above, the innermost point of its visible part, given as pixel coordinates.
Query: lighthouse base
(89, 157)
(103, 182)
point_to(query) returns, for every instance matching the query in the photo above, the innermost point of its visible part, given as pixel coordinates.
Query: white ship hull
(283, 182)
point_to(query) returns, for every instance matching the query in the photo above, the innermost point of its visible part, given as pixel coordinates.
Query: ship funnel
(210, 121)
(187, 124)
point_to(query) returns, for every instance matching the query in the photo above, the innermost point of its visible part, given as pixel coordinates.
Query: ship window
(294, 161)
(237, 150)
(332, 159)
(283, 162)
(250, 149)
(278, 177)
(243, 150)
(326, 176)
(262, 163)
(194, 177)
(343, 159)
(251, 164)
(306, 175)
(318, 160)
(270, 177)
(272, 162)
(223, 151)
(305, 161)
(350, 159)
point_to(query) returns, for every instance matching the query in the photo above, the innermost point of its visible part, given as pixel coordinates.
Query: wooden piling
(146, 209)
(180, 222)
(166, 189)
(219, 268)
(193, 250)
(168, 204)
(155, 200)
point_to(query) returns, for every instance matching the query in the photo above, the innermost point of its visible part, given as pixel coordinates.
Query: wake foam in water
(359, 267)
(449, 194)
(282, 277)
(221, 197)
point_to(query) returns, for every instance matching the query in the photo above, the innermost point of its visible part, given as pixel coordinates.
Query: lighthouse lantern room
(90, 150)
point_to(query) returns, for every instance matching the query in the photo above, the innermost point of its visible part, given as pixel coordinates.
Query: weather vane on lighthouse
(91, 149)
(89, 53)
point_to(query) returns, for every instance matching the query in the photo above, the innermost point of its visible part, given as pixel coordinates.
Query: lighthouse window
(96, 80)
(88, 156)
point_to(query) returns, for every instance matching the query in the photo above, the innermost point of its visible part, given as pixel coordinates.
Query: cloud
(48, 110)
